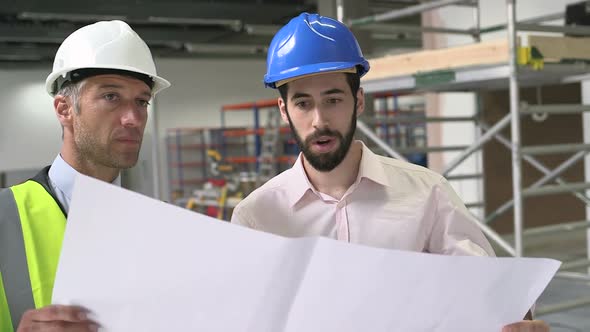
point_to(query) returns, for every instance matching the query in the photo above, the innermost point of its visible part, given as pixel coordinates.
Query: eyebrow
(299, 95)
(331, 92)
(324, 93)
(118, 86)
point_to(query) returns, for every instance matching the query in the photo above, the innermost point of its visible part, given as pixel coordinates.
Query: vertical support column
(221, 134)
(156, 175)
(434, 101)
(257, 134)
(585, 86)
(179, 162)
(477, 22)
(170, 170)
(479, 167)
(515, 130)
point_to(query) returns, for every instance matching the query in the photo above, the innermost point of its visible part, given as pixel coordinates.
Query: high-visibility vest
(32, 226)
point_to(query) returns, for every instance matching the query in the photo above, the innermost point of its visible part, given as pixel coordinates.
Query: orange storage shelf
(250, 106)
(241, 160)
(245, 132)
(287, 159)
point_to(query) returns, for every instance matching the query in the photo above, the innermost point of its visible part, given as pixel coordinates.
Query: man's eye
(333, 100)
(110, 96)
(302, 104)
(144, 103)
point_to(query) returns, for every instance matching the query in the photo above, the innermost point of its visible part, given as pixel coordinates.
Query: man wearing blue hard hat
(338, 188)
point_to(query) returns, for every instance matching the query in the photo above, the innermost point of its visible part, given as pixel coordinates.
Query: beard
(325, 162)
(92, 150)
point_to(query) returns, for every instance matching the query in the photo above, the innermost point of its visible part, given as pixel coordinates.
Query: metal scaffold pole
(515, 129)
(585, 127)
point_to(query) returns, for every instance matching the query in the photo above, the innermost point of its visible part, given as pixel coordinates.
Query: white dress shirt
(61, 180)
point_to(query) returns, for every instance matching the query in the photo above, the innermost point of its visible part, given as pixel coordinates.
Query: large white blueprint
(142, 265)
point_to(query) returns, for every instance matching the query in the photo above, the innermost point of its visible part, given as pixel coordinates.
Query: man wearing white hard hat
(338, 188)
(102, 81)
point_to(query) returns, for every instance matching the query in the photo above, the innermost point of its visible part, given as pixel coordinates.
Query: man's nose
(133, 115)
(320, 119)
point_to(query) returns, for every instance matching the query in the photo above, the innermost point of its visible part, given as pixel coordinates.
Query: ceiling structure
(31, 30)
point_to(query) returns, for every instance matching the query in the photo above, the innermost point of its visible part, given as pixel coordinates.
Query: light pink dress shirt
(392, 204)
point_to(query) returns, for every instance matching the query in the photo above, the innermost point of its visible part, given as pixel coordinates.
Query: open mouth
(323, 140)
(324, 143)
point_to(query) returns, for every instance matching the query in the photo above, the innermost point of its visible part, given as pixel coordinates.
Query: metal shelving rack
(514, 76)
(286, 150)
(400, 124)
(189, 166)
(186, 157)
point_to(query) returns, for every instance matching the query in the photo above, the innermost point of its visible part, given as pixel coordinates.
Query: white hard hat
(102, 47)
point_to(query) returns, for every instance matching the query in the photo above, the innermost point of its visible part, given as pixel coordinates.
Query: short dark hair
(353, 79)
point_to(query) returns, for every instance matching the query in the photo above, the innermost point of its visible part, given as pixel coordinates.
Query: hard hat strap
(78, 75)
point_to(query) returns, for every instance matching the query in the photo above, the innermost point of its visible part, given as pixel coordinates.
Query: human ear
(360, 102)
(283, 109)
(63, 109)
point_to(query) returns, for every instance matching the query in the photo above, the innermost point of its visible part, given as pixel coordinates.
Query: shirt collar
(63, 176)
(370, 168)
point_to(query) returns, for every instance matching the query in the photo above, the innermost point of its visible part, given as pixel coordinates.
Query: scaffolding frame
(516, 110)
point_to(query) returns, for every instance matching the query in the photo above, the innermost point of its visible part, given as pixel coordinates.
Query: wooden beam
(490, 52)
(554, 49)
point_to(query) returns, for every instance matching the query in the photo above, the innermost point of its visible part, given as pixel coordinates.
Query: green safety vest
(32, 225)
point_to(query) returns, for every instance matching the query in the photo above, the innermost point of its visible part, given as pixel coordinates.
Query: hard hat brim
(159, 82)
(285, 81)
(270, 81)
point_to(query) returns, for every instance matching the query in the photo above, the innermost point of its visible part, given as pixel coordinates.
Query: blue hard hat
(311, 44)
